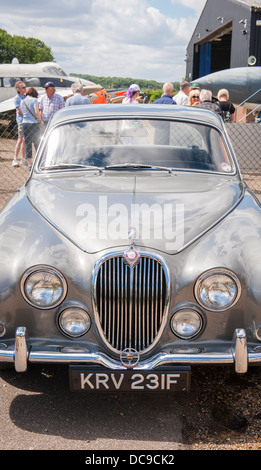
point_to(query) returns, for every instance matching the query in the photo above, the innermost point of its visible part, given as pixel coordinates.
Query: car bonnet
(158, 210)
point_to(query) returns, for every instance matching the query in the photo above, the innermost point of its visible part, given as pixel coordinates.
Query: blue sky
(179, 9)
(126, 38)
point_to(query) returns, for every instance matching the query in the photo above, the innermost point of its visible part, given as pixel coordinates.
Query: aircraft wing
(7, 106)
(87, 90)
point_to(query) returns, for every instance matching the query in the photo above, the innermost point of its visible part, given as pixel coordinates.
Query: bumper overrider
(239, 354)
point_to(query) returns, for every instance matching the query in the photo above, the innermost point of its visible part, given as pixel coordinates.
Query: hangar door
(213, 54)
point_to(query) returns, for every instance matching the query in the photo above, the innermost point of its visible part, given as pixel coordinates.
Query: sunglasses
(195, 97)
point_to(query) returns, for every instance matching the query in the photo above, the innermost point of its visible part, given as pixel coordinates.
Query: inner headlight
(186, 323)
(217, 289)
(74, 322)
(43, 287)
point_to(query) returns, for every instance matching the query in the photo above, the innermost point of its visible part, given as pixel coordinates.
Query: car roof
(141, 110)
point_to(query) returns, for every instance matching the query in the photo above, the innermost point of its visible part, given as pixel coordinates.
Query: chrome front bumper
(239, 355)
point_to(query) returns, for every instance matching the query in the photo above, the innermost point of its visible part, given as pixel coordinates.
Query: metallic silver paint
(223, 230)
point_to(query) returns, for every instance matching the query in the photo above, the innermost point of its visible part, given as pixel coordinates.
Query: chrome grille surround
(131, 302)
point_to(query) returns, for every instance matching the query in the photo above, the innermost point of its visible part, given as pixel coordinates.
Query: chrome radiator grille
(131, 301)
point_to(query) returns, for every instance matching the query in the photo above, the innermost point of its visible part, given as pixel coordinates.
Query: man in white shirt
(182, 97)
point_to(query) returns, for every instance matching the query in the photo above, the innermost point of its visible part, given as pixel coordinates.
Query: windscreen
(137, 142)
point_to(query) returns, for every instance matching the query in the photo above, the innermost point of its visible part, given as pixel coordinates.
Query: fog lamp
(74, 322)
(186, 323)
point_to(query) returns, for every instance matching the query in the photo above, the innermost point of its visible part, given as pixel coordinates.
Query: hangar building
(227, 35)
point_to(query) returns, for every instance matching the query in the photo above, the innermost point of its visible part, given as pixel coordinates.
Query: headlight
(43, 287)
(217, 289)
(74, 322)
(186, 323)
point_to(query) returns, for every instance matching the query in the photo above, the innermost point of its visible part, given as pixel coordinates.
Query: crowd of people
(32, 116)
(188, 96)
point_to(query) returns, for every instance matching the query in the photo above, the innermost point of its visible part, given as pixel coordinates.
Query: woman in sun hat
(132, 95)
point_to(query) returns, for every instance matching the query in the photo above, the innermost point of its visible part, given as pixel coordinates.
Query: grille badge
(129, 358)
(131, 256)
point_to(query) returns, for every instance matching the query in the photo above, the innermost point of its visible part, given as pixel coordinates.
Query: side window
(32, 82)
(58, 82)
(10, 82)
(7, 82)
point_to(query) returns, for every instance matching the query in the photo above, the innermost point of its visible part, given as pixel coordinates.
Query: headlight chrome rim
(74, 311)
(48, 270)
(189, 311)
(212, 273)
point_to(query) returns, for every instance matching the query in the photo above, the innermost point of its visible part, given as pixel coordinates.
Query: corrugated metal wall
(255, 43)
(218, 15)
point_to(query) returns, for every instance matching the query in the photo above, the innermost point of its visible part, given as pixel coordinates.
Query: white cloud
(105, 38)
(196, 5)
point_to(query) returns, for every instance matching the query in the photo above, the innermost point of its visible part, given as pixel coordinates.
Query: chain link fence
(246, 139)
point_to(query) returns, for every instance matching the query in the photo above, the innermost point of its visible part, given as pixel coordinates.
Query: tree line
(151, 87)
(26, 50)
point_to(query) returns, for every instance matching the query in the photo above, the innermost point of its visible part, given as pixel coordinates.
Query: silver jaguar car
(132, 253)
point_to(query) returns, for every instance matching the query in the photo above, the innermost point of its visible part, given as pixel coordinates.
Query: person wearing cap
(132, 95)
(128, 130)
(50, 103)
(182, 97)
(195, 86)
(77, 98)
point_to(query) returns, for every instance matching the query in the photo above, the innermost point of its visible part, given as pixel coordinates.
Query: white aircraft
(36, 75)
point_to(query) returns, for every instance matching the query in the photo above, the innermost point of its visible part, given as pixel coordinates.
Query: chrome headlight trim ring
(74, 321)
(187, 323)
(48, 270)
(218, 272)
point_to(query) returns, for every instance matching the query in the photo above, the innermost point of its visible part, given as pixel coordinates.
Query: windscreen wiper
(68, 166)
(143, 166)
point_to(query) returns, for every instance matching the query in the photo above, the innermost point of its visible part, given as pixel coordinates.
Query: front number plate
(129, 380)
